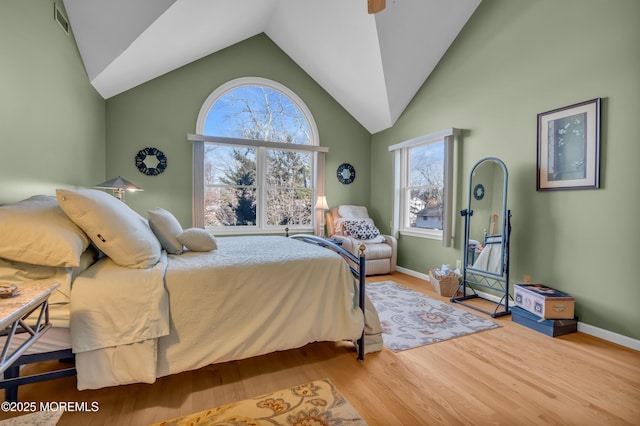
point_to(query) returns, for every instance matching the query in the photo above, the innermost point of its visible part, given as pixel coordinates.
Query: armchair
(352, 226)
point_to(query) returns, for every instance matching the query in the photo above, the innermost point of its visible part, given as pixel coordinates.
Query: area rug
(39, 418)
(315, 403)
(410, 319)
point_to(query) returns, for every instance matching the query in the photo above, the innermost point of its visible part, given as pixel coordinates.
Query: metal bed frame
(59, 348)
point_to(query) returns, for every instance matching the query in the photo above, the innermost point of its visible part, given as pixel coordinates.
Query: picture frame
(569, 147)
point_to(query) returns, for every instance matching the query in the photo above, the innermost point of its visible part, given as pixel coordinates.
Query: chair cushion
(377, 251)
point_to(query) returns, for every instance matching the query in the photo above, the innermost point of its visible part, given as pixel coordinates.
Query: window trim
(400, 176)
(198, 140)
(256, 81)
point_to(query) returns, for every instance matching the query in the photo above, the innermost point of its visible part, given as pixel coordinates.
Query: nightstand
(14, 311)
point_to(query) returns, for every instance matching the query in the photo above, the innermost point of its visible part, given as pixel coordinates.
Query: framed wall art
(569, 147)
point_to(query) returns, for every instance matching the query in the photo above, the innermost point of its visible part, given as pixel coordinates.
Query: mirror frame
(504, 225)
(474, 280)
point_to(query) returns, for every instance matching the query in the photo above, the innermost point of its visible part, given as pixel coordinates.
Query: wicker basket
(445, 285)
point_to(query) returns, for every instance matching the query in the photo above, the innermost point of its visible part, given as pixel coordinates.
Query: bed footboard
(358, 272)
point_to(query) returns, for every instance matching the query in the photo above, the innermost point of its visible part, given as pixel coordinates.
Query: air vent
(60, 18)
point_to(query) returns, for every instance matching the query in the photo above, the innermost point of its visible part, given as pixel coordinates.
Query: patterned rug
(315, 403)
(39, 418)
(410, 319)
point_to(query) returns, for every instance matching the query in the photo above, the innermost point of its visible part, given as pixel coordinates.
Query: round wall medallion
(151, 161)
(478, 192)
(346, 173)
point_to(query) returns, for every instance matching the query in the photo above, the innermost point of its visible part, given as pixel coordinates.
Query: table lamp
(119, 186)
(321, 204)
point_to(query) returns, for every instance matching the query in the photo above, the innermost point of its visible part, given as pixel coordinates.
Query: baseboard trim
(609, 336)
(600, 333)
(412, 273)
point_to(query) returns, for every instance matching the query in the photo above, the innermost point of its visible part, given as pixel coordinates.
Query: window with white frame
(256, 160)
(423, 186)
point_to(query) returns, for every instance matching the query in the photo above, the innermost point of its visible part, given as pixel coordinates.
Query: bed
(142, 298)
(490, 255)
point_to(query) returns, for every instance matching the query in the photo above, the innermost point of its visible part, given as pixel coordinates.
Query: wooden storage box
(445, 285)
(550, 327)
(544, 301)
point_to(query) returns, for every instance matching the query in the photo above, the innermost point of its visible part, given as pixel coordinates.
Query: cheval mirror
(487, 225)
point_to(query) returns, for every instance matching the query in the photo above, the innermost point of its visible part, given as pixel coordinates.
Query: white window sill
(431, 235)
(237, 230)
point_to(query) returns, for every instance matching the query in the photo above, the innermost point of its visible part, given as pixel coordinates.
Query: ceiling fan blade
(376, 6)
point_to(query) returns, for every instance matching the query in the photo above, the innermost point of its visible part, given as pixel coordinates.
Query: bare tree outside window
(233, 174)
(426, 186)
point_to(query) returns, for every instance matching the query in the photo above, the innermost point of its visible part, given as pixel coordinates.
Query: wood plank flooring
(506, 376)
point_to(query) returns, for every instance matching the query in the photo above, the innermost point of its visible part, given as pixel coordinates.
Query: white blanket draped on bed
(117, 314)
(251, 296)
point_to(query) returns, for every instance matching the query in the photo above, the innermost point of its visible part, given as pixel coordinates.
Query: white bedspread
(117, 313)
(255, 295)
(251, 296)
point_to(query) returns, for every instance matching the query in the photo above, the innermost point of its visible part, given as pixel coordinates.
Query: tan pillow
(121, 233)
(166, 227)
(196, 239)
(20, 274)
(36, 231)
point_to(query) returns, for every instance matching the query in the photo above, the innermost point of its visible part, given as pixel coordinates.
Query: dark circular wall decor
(478, 192)
(346, 173)
(151, 161)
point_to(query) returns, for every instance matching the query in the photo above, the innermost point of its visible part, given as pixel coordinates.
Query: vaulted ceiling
(372, 65)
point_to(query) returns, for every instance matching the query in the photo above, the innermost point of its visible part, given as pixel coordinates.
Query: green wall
(513, 60)
(52, 121)
(162, 112)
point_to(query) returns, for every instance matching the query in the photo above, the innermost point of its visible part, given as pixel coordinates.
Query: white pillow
(353, 212)
(114, 228)
(197, 239)
(37, 231)
(166, 228)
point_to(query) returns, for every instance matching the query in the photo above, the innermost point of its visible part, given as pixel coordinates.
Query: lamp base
(119, 194)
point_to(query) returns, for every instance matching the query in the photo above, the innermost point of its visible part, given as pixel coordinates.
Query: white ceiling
(372, 65)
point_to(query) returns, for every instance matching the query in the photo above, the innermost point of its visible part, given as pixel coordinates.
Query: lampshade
(321, 203)
(118, 185)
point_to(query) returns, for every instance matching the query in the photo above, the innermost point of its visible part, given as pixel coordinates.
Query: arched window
(256, 160)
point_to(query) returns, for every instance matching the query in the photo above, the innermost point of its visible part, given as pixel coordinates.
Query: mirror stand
(486, 248)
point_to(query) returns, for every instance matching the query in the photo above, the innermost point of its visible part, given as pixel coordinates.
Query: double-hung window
(256, 160)
(423, 186)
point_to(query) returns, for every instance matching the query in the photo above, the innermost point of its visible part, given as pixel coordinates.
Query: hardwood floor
(510, 375)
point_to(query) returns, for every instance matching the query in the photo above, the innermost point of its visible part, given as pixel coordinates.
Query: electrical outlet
(459, 264)
(527, 279)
